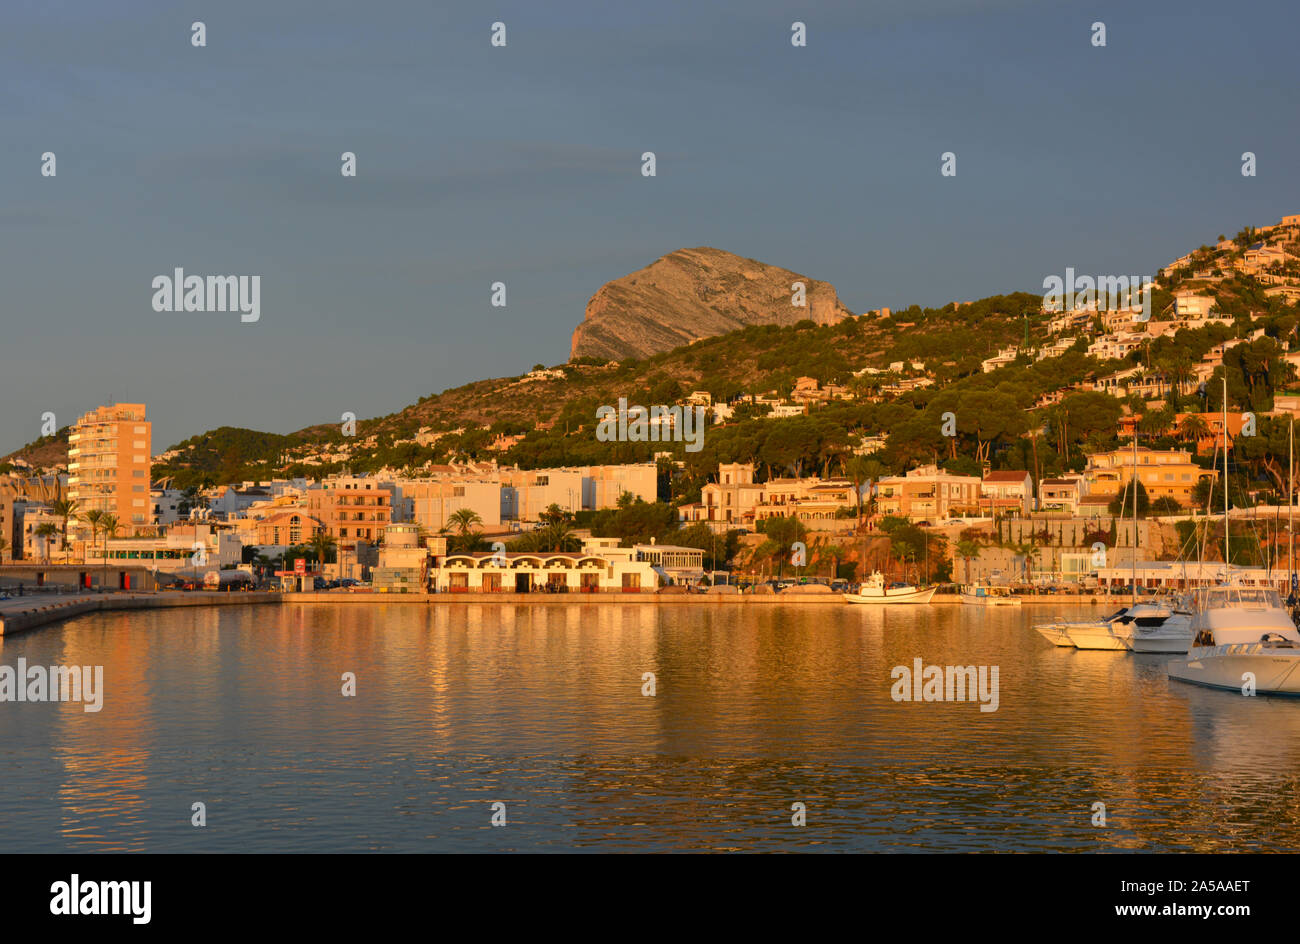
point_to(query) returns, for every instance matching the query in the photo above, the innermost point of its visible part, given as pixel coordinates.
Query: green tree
(464, 522)
(785, 532)
(108, 526)
(833, 553)
(65, 509)
(1193, 428)
(93, 518)
(1122, 504)
(322, 545)
(46, 531)
(968, 551)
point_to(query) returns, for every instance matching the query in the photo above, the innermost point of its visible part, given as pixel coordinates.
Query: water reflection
(542, 708)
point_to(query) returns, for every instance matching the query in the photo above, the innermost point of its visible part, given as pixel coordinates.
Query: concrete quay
(653, 599)
(33, 610)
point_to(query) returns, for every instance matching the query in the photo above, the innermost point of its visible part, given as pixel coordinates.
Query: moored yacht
(1171, 633)
(874, 590)
(1058, 632)
(1054, 633)
(1242, 635)
(1244, 639)
(1100, 634)
(1147, 626)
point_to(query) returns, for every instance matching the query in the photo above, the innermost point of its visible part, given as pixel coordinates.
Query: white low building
(1181, 575)
(183, 548)
(543, 572)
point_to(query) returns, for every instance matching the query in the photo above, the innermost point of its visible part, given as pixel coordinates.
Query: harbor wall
(26, 613)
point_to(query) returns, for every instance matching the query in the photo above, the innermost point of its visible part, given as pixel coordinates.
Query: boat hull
(890, 599)
(1276, 671)
(972, 600)
(1055, 634)
(1170, 643)
(1095, 637)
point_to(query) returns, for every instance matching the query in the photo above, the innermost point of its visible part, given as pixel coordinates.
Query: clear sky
(522, 164)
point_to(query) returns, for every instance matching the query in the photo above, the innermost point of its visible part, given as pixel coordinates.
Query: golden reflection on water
(755, 708)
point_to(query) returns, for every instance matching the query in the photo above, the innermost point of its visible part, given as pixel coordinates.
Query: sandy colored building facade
(1163, 473)
(351, 509)
(109, 462)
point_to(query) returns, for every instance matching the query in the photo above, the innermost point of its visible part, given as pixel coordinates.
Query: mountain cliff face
(695, 293)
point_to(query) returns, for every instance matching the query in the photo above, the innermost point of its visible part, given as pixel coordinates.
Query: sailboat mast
(1290, 506)
(1227, 562)
(1134, 566)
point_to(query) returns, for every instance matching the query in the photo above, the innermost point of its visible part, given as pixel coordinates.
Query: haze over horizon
(522, 165)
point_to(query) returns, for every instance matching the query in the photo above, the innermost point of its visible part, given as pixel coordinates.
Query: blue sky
(522, 164)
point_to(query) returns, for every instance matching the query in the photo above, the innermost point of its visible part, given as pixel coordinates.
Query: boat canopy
(1249, 598)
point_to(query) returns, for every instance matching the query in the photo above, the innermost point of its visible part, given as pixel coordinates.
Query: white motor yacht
(1171, 633)
(874, 590)
(1242, 635)
(1054, 633)
(1058, 632)
(1101, 634)
(1147, 626)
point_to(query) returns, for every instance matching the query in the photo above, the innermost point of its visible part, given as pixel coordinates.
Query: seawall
(21, 614)
(653, 599)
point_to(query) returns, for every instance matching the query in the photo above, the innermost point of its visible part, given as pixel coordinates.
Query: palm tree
(767, 551)
(1194, 428)
(321, 543)
(94, 518)
(109, 525)
(875, 470)
(855, 470)
(65, 508)
(834, 553)
(968, 551)
(3, 544)
(464, 520)
(558, 537)
(1027, 550)
(46, 532)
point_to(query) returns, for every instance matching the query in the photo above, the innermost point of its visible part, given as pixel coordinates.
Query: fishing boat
(980, 594)
(875, 590)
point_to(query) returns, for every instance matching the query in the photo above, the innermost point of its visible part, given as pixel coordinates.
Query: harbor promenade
(657, 599)
(34, 610)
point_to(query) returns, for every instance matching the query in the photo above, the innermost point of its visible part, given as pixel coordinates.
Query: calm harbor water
(756, 708)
